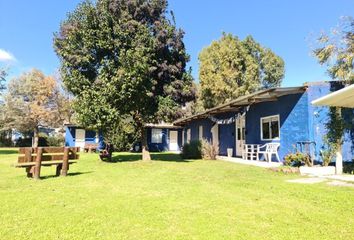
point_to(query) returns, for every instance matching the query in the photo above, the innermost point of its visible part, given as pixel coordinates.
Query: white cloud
(6, 56)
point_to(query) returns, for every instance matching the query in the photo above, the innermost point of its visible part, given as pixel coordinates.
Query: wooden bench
(34, 158)
(90, 147)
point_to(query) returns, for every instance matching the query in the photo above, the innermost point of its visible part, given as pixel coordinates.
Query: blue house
(281, 115)
(77, 136)
(164, 137)
(160, 137)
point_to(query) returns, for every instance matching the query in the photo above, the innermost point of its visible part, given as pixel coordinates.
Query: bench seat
(43, 163)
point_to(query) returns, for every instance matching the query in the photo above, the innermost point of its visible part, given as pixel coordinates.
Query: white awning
(341, 98)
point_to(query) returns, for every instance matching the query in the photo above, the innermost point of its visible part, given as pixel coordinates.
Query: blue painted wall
(226, 134)
(319, 117)
(70, 137)
(90, 137)
(293, 113)
(164, 146)
(194, 127)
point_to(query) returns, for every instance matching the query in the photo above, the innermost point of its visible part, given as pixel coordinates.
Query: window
(200, 132)
(156, 135)
(270, 127)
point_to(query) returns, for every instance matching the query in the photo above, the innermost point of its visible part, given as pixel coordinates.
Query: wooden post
(59, 167)
(65, 166)
(28, 154)
(37, 169)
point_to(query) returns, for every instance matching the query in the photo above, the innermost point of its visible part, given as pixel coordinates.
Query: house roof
(341, 98)
(265, 95)
(161, 125)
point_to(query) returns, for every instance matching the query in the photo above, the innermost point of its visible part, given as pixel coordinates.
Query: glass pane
(265, 130)
(275, 129)
(243, 134)
(238, 134)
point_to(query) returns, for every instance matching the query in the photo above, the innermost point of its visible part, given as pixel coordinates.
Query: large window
(156, 135)
(270, 127)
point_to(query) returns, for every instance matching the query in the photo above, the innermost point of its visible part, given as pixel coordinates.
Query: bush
(192, 150)
(209, 150)
(328, 151)
(43, 141)
(297, 159)
(55, 141)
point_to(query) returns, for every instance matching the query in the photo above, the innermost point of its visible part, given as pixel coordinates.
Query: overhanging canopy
(341, 98)
(266, 95)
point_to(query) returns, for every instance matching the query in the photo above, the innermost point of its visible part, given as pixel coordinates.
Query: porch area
(263, 164)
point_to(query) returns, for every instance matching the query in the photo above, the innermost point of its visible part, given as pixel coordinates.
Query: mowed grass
(168, 198)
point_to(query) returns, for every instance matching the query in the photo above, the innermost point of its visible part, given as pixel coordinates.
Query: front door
(240, 134)
(173, 141)
(80, 138)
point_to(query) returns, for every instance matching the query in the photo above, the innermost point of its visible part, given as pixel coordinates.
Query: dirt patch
(340, 183)
(307, 180)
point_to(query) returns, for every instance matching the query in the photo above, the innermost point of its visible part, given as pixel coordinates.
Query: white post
(339, 157)
(339, 161)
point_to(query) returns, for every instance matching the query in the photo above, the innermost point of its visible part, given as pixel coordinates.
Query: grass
(168, 198)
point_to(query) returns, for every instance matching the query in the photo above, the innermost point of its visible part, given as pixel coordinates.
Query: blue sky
(287, 27)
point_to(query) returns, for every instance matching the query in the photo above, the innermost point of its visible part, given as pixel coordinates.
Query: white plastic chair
(268, 150)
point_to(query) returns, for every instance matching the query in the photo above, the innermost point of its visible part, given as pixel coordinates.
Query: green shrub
(328, 151)
(209, 150)
(43, 141)
(55, 141)
(297, 159)
(192, 150)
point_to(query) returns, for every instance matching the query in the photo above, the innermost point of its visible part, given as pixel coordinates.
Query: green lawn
(168, 198)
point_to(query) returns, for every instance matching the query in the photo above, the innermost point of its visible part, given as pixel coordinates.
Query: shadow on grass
(132, 157)
(68, 175)
(8, 151)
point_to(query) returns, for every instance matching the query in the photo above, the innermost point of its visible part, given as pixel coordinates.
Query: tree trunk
(144, 146)
(35, 137)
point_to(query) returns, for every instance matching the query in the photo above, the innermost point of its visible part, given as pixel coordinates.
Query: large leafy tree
(124, 58)
(230, 68)
(336, 50)
(3, 74)
(31, 102)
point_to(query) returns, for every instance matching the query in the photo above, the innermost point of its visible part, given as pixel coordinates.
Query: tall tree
(230, 68)
(124, 57)
(336, 50)
(30, 103)
(3, 75)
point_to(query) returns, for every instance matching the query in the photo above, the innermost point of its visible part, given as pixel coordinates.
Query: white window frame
(156, 135)
(200, 132)
(270, 132)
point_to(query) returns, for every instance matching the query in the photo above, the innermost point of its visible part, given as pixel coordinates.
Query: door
(226, 138)
(80, 138)
(173, 141)
(240, 134)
